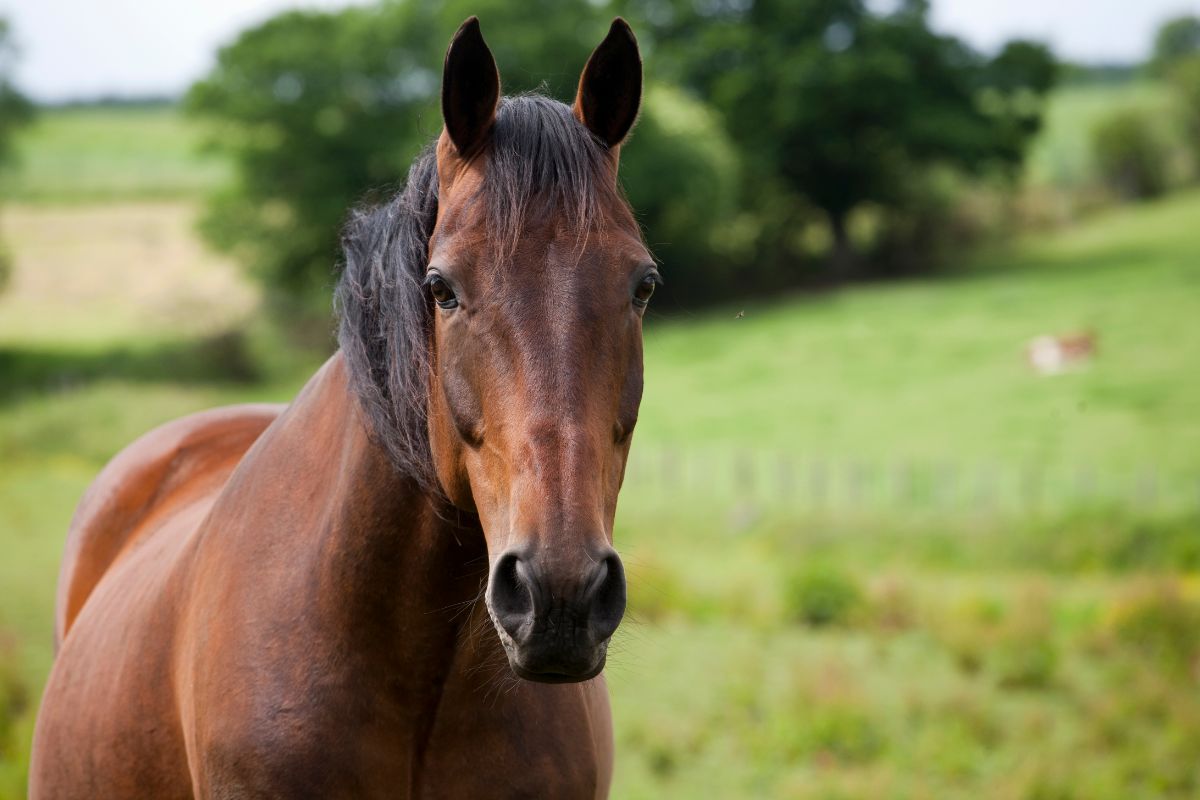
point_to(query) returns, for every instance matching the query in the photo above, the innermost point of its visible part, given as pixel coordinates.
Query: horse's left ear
(610, 89)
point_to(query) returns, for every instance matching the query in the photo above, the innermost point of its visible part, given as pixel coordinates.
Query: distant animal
(1051, 355)
(403, 584)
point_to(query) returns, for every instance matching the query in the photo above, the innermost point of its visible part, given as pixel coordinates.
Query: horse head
(538, 279)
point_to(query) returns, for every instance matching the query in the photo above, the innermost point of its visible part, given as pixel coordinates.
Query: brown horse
(295, 602)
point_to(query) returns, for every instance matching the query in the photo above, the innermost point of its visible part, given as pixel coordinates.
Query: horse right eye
(441, 292)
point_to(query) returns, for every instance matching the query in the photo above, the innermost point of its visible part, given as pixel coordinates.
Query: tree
(1184, 78)
(682, 175)
(319, 110)
(1176, 39)
(15, 111)
(315, 109)
(845, 105)
(1131, 154)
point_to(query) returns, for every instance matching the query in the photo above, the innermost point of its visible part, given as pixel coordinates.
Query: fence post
(818, 483)
(1031, 486)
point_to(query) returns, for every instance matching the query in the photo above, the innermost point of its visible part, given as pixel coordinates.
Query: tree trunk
(843, 265)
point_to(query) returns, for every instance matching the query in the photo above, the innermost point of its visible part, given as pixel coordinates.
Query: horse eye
(641, 295)
(441, 292)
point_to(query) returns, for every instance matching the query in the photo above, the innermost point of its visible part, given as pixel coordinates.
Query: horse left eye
(641, 295)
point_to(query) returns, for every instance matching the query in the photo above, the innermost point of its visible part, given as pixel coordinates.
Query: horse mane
(540, 160)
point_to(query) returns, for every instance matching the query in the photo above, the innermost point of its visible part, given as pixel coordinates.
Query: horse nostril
(510, 598)
(607, 597)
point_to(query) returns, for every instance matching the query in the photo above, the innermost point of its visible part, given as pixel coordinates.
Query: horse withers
(403, 584)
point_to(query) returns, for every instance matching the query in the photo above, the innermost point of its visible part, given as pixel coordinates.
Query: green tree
(1176, 39)
(1184, 78)
(682, 175)
(320, 109)
(15, 111)
(315, 109)
(846, 105)
(1131, 154)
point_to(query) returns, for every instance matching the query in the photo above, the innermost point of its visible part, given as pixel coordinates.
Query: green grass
(774, 648)
(936, 370)
(103, 154)
(959, 641)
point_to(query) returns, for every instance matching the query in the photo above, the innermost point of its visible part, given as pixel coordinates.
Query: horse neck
(396, 566)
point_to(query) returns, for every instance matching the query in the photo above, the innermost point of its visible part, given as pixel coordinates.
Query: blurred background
(914, 505)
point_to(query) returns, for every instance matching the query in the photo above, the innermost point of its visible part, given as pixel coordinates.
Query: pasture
(781, 643)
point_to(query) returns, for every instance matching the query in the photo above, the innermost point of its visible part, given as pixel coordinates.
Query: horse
(403, 583)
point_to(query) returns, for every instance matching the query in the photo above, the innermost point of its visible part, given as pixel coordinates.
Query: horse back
(175, 464)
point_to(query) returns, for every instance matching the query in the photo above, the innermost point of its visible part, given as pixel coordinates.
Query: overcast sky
(85, 48)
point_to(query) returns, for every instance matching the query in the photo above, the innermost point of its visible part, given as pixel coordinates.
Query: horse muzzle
(555, 621)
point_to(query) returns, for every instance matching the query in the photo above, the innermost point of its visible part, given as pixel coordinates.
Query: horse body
(353, 668)
(404, 583)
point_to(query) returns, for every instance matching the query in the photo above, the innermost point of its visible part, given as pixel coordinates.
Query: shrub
(1185, 82)
(14, 698)
(1160, 623)
(821, 595)
(655, 591)
(1131, 155)
(1110, 539)
(1014, 642)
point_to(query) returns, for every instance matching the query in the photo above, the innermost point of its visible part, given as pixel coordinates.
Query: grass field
(774, 648)
(82, 155)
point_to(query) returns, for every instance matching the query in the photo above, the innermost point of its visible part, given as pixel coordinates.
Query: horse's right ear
(470, 89)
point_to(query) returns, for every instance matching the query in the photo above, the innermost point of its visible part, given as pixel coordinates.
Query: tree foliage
(315, 108)
(759, 118)
(1131, 154)
(15, 111)
(1184, 78)
(1177, 39)
(845, 105)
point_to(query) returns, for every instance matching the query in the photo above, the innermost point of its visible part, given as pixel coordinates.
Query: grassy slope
(936, 369)
(919, 368)
(102, 154)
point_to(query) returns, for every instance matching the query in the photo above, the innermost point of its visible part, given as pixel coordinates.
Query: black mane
(541, 160)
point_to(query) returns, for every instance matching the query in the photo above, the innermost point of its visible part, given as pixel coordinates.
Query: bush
(1015, 644)
(14, 699)
(1185, 81)
(1131, 155)
(1161, 623)
(1110, 540)
(821, 595)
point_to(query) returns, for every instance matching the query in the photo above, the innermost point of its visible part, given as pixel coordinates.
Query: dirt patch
(98, 274)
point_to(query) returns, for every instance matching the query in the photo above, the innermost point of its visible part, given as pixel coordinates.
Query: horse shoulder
(175, 463)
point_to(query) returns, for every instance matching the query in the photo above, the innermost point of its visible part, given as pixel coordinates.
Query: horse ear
(611, 85)
(470, 89)
(610, 89)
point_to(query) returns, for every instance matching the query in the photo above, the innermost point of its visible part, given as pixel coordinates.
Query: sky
(72, 49)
